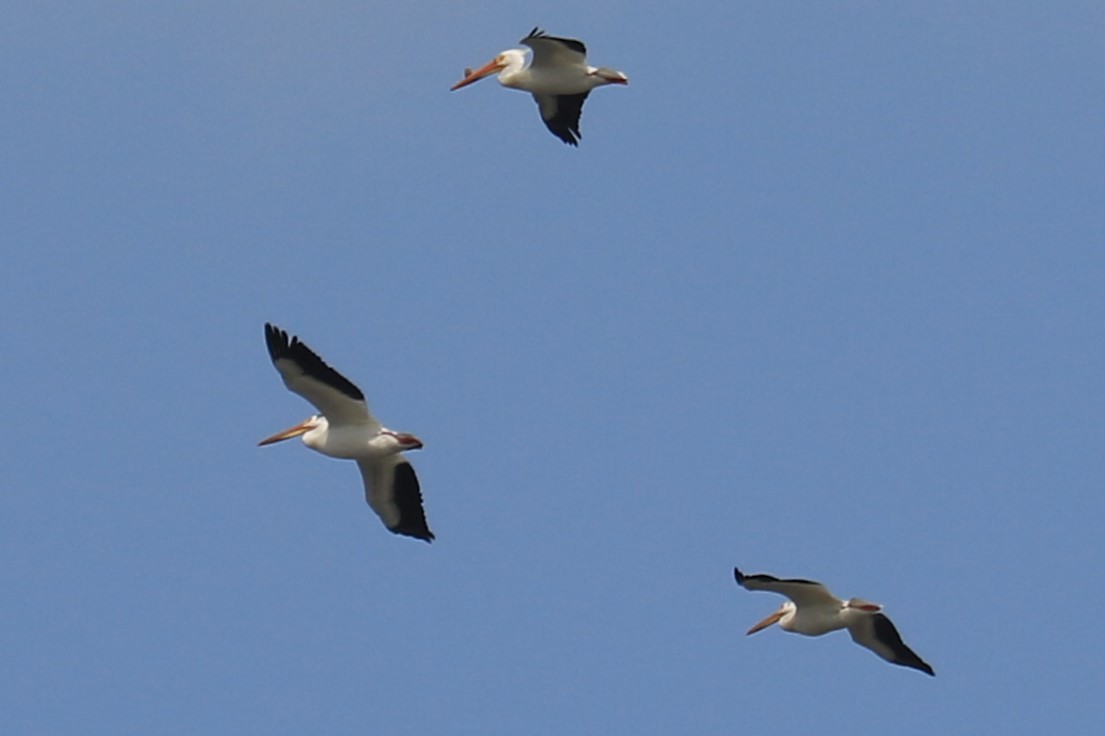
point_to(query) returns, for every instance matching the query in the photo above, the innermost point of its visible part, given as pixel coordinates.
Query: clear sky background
(819, 295)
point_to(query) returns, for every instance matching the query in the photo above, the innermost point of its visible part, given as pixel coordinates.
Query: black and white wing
(552, 51)
(391, 489)
(877, 633)
(308, 375)
(802, 592)
(560, 113)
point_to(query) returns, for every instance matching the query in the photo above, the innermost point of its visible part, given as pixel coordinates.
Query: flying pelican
(812, 610)
(346, 429)
(558, 77)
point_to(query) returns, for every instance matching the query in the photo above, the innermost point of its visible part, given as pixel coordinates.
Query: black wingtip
(408, 498)
(414, 533)
(739, 576)
(276, 340)
(282, 345)
(564, 123)
(569, 135)
(887, 633)
(918, 664)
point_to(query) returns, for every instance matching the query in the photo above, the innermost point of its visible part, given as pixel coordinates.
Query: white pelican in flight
(812, 610)
(346, 429)
(559, 79)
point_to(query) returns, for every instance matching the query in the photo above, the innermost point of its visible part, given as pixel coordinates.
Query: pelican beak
(474, 76)
(287, 434)
(765, 623)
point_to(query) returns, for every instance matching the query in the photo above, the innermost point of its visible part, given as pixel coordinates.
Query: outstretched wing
(560, 114)
(308, 375)
(878, 634)
(802, 592)
(391, 489)
(552, 51)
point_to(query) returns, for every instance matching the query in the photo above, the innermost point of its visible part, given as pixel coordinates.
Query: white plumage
(812, 610)
(346, 429)
(558, 77)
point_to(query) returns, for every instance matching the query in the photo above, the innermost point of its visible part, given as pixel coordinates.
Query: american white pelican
(346, 429)
(558, 77)
(812, 610)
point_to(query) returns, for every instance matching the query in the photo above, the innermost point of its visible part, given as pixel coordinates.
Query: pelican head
(307, 425)
(781, 616)
(512, 59)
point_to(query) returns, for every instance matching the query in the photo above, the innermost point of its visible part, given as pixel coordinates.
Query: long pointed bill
(765, 623)
(474, 76)
(287, 434)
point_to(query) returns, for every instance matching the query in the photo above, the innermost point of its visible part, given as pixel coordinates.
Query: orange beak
(287, 434)
(474, 76)
(765, 623)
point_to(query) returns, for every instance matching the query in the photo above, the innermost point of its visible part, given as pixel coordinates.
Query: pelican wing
(550, 51)
(391, 489)
(877, 633)
(306, 374)
(560, 114)
(802, 592)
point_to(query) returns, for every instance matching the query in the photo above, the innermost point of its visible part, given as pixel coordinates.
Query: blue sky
(820, 294)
